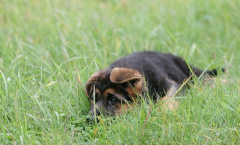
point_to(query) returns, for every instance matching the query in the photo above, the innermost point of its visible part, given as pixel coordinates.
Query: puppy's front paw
(169, 103)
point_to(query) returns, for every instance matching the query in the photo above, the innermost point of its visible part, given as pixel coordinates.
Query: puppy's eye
(112, 99)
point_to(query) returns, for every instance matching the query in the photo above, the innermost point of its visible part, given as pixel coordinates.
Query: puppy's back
(154, 65)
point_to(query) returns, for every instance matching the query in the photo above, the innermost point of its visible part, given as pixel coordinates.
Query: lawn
(45, 45)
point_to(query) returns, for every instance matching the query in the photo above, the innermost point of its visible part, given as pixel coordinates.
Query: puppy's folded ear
(95, 78)
(125, 75)
(91, 81)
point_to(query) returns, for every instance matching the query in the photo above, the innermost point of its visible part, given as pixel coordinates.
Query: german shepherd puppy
(114, 90)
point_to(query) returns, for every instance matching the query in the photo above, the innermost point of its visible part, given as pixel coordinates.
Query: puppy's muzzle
(93, 113)
(91, 119)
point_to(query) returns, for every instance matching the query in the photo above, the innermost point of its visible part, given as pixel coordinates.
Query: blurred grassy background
(41, 42)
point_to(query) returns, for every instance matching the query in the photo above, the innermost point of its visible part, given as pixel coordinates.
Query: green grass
(42, 42)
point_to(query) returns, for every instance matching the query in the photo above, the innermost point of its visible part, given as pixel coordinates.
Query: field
(45, 45)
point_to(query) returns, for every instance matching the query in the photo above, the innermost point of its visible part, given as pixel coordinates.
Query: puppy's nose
(91, 119)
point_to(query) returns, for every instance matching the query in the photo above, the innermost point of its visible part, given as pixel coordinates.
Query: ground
(45, 45)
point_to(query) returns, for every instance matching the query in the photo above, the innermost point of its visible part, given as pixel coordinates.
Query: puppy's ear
(98, 76)
(124, 75)
(91, 81)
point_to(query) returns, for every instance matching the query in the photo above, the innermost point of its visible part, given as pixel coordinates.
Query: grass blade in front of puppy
(94, 104)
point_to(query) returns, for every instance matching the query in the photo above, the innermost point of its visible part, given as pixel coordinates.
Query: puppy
(114, 90)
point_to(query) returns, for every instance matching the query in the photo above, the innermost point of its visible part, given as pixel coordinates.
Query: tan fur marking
(109, 91)
(132, 93)
(113, 92)
(97, 91)
(123, 108)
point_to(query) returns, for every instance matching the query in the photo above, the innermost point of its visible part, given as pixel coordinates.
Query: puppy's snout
(91, 118)
(93, 113)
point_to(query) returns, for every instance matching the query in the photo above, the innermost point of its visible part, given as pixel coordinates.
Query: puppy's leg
(169, 102)
(212, 81)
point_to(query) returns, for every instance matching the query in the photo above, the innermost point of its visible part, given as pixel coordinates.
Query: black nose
(91, 119)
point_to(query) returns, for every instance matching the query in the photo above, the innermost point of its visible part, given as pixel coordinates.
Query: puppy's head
(112, 91)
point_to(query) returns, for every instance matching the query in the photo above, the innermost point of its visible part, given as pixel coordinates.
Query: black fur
(159, 68)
